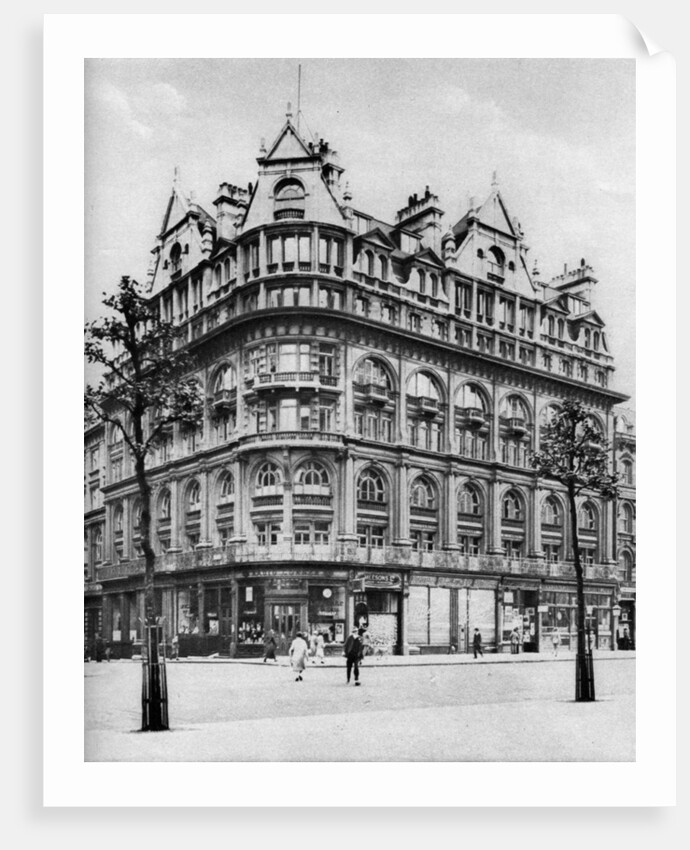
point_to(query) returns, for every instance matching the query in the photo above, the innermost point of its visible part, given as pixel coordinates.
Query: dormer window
(289, 200)
(176, 257)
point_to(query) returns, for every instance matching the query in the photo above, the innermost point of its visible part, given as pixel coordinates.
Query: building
(373, 393)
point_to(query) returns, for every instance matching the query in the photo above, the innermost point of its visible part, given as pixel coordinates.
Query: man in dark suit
(354, 647)
(477, 643)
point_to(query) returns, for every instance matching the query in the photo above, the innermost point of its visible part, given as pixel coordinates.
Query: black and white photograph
(360, 412)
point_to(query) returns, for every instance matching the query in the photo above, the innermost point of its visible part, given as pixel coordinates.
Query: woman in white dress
(299, 651)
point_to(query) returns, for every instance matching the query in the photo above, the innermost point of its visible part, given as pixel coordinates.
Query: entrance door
(285, 622)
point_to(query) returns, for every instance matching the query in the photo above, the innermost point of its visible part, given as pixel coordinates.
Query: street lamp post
(615, 612)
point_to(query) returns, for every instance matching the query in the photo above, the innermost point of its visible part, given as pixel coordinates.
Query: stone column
(534, 548)
(204, 529)
(495, 427)
(287, 500)
(401, 410)
(175, 519)
(401, 516)
(201, 607)
(494, 530)
(126, 528)
(404, 612)
(239, 470)
(450, 513)
(347, 509)
(348, 396)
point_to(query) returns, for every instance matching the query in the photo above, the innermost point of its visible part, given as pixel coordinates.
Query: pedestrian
(556, 640)
(353, 653)
(477, 643)
(175, 648)
(319, 648)
(270, 647)
(626, 638)
(312, 647)
(515, 641)
(299, 651)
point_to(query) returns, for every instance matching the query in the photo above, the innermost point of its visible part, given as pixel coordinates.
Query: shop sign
(508, 597)
(391, 581)
(93, 588)
(627, 591)
(543, 609)
(330, 574)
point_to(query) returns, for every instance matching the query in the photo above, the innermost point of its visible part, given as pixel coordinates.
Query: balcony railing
(424, 404)
(267, 380)
(224, 399)
(516, 425)
(289, 436)
(474, 416)
(352, 553)
(375, 392)
(312, 500)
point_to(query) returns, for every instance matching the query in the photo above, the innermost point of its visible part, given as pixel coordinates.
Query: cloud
(110, 104)
(161, 99)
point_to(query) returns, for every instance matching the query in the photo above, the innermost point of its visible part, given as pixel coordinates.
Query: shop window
(326, 612)
(250, 614)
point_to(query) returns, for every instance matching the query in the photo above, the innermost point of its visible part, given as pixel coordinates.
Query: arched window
(561, 327)
(423, 494)
(372, 371)
(627, 471)
(226, 487)
(136, 516)
(164, 506)
(421, 279)
(369, 263)
(551, 511)
(512, 506)
(626, 564)
(118, 518)
(513, 407)
(289, 200)
(469, 501)
(268, 477)
(217, 277)
(596, 340)
(480, 254)
(98, 545)
(371, 487)
(225, 379)
(550, 326)
(383, 268)
(194, 497)
(433, 280)
(627, 519)
(587, 517)
(471, 397)
(588, 338)
(312, 477)
(423, 385)
(497, 256)
(176, 256)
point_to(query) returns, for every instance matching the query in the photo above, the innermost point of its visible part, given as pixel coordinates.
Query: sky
(559, 133)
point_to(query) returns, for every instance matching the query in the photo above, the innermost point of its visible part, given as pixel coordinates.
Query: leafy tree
(574, 452)
(145, 388)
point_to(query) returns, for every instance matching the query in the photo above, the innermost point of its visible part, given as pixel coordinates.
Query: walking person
(477, 643)
(270, 647)
(319, 648)
(299, 652)
(515, 642)
(556, 640)
(353, 653)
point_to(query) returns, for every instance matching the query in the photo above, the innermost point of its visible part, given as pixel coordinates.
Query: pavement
(408, 708)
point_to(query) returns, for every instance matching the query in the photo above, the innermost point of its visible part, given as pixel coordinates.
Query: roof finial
(262, 149)
(494, 180)
(176, 174)
(535, 270)
(288, 114)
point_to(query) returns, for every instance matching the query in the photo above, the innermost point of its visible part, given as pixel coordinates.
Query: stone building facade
(373, 392)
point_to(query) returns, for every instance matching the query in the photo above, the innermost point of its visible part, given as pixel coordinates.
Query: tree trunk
(584, 673)
(154, 695)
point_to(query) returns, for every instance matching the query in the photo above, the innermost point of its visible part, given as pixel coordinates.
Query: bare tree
(146, 387)
(575, 452)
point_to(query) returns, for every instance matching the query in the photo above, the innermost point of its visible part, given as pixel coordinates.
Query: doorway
(285, 621)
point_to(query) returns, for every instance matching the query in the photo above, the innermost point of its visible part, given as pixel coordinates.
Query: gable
(175, 212)
(494, 214)
(377, 237)
(288, 145)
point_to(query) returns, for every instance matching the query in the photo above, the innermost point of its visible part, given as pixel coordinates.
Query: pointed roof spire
(288, 114)
(494, 180)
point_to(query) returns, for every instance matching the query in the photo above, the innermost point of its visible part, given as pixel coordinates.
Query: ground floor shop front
(231, 612)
